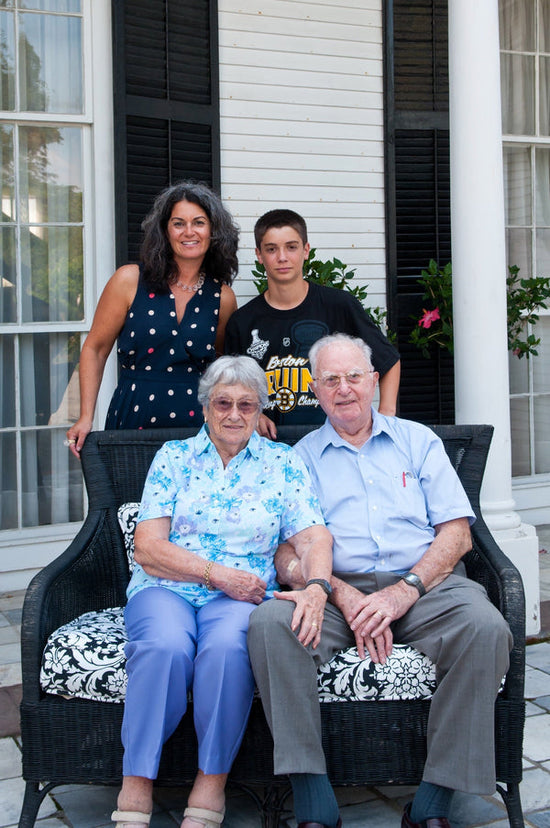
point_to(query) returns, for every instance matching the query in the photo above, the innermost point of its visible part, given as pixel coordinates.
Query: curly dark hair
(220, 262)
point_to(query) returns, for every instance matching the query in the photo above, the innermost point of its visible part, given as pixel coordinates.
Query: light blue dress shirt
(235, 516)
(381, 501)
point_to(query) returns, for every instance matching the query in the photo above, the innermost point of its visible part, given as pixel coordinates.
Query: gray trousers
(454, 624)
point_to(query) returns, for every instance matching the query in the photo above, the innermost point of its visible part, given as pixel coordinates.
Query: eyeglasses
(223, 406)
(333, 380)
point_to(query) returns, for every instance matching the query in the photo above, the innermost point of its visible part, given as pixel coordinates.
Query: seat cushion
(85, 658)
(407, 674)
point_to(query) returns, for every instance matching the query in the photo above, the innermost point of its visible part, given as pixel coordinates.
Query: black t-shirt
(280, 341)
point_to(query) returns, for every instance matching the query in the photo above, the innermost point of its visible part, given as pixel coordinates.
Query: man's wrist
(321, 582)
(412, 579)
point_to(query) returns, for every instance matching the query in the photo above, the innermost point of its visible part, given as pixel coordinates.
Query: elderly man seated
(400, 521)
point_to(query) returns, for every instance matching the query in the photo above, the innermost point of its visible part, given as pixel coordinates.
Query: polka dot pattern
(164, 359)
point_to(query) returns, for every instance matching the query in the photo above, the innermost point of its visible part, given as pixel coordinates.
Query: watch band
(412, 579)
(322, 583)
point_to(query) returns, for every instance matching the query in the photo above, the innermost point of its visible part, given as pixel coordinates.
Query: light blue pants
(175, 647)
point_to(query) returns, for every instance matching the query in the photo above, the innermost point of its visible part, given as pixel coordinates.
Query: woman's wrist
(207, 577)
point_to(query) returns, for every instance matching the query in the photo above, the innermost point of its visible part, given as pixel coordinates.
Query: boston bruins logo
(285, 399)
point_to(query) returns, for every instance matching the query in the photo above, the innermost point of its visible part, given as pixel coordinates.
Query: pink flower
(426, 320)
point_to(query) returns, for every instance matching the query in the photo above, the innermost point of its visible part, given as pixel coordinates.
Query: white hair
(338, 339)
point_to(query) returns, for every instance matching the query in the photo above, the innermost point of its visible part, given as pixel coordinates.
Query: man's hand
(375, 612)
(376, 638)
(266, 427)
(309, 612)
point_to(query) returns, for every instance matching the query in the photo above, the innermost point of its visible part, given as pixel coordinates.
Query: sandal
(123, 817)
(210, 819)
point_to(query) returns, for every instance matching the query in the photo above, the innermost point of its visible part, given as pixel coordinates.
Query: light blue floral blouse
(235, 516)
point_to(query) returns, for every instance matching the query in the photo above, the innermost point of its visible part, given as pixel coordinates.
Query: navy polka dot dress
(161, 360)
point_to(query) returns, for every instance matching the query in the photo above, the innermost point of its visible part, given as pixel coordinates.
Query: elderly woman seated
(214, 509)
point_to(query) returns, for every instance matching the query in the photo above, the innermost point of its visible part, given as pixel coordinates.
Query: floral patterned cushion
(407, 674)
(85, 658)
(127, 518)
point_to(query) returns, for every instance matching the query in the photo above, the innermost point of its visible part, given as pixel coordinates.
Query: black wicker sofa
(76, 740)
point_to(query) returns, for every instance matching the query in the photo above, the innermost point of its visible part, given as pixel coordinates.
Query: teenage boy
(279, 327)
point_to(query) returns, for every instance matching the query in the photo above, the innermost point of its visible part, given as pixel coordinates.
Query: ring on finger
(315, 625)
(69, 442)
(379, 613)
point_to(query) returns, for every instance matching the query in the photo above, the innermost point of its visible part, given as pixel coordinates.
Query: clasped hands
(370, 617)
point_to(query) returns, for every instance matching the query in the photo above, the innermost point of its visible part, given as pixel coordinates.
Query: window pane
(8, 174)
(541, 363)
(517, 185)
(7, 386)
(519, 374)
(51, 174)
(51, 63)
(7, 61)
(519, 413)
(543, 253)
(51, 479)
(544, 91)
(52, 5)
(542, 193)
(52, 274)
(518, 94)
(518, 252)
(8, 482)
(7, 275)
(542, 434)
(49, 380)
(517, 25)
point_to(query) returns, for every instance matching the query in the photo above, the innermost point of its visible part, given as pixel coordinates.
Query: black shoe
(433, 822)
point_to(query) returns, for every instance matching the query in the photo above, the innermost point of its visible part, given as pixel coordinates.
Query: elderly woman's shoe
(210, 819)
(130, 817)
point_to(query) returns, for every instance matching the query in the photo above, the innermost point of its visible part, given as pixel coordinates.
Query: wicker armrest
(90, 575)
(490, 566)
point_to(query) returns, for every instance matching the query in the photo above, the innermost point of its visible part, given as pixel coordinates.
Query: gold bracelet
(206, 576)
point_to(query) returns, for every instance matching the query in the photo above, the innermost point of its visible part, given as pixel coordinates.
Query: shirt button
(374, 508)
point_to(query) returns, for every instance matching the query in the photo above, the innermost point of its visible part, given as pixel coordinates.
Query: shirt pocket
(408, 501)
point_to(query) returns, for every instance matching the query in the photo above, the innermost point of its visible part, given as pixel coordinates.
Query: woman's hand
(242, 586)
(76, 435)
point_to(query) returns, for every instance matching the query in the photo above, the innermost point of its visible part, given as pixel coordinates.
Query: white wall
(302, 126)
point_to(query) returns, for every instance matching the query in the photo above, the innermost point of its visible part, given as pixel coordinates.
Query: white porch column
(479, 271)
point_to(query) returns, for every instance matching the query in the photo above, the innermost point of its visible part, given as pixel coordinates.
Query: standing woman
(169, 314)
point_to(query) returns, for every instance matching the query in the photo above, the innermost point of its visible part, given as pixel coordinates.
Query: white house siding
(301, 100)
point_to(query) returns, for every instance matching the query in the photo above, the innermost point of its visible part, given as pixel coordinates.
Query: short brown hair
(279, 218)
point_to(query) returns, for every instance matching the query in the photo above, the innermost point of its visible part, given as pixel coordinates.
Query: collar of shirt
(203, 443)
(327, 434)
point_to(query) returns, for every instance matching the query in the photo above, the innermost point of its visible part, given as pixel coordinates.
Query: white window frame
(23, 552)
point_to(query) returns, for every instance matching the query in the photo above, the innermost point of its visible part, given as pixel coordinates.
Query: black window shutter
(166, 101)
(418, 222)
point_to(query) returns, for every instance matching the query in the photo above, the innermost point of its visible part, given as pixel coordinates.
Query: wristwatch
(322, 583)
(413, 580)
